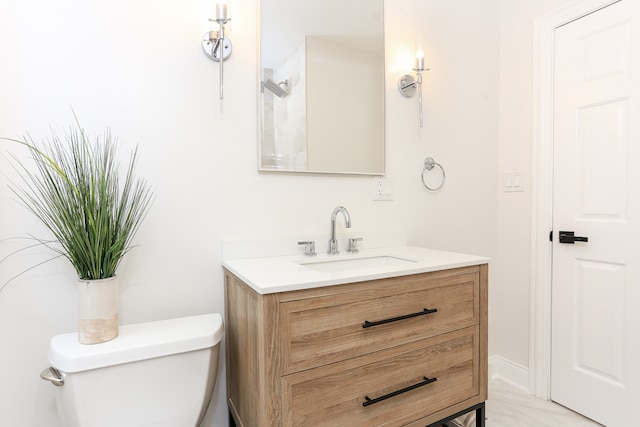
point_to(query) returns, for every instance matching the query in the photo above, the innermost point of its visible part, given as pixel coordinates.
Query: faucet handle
(353, 245)
(309, 248)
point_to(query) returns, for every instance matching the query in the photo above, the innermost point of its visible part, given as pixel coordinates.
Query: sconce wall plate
(407, 86)
(209, 44)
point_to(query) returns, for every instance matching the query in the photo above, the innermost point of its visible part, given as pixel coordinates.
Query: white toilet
(159, 374)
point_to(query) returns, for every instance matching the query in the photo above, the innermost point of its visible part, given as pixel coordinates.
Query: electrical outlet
(382, 188)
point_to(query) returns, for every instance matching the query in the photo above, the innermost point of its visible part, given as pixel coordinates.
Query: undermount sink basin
(336, 265)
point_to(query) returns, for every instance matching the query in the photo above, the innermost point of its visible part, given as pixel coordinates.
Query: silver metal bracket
(407, 86)
(52, 375)
(211, 47)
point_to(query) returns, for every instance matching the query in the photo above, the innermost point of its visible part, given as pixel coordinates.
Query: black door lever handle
(571, 238)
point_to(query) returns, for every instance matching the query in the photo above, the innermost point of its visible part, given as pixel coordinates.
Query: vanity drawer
(333, 395)
(329, 329)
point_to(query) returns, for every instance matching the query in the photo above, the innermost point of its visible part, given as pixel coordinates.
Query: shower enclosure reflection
(322, 86)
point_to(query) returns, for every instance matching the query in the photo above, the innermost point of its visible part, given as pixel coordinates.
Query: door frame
(542, 189)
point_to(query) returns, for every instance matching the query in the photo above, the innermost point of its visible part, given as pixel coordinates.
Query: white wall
(460, 42)
(138, 68)
(509, 294)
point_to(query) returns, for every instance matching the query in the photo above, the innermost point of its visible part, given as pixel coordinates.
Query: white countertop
(268, 275)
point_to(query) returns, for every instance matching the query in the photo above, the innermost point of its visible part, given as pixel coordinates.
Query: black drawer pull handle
(368, 324)
(368, 401)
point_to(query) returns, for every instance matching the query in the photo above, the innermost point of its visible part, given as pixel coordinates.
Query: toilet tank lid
(137, 342)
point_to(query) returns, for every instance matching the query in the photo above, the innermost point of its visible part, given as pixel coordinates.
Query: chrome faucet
(333, 243)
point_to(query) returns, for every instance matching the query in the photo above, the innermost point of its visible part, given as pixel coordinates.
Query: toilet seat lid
(137, 342)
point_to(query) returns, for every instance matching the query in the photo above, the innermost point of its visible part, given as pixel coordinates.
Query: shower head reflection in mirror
(276, 88)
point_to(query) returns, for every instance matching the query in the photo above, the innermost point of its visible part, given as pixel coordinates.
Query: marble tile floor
(509, 406)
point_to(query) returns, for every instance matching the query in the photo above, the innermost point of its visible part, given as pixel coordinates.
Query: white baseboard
(508, 371)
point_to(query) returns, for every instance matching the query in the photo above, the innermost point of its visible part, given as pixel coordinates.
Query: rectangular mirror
(322, 86)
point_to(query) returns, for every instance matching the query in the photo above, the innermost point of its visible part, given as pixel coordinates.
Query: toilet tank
(159, 374)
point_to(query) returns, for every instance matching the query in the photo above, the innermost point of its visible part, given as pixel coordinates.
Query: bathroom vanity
(394, 337)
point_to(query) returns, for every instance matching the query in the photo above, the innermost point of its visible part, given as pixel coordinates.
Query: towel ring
(429, 163)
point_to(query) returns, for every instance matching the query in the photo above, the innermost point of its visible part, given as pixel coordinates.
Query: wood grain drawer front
(316, 332)
(333, 395)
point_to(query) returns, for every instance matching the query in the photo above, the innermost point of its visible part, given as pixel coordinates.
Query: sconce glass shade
(221, 12)
(419, 60)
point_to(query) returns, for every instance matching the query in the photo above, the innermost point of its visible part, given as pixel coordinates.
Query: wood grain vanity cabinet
(402, 351)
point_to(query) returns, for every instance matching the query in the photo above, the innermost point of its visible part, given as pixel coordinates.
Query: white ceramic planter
(97, 310)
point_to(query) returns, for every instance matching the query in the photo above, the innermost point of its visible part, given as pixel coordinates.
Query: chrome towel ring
(429, 163)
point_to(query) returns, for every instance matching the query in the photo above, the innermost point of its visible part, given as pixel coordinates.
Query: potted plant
(76, 191)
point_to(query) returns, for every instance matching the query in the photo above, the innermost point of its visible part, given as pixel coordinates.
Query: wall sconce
(214, 44)
(407, 84)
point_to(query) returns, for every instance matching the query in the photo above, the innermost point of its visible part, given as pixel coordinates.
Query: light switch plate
(513, 182)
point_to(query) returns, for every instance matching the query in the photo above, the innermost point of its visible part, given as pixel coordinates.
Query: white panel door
(596, 284)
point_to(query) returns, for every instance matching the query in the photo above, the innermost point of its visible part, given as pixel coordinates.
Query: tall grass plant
(77, 192)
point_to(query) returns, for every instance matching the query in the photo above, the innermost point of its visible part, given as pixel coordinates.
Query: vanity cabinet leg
(480, 415)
